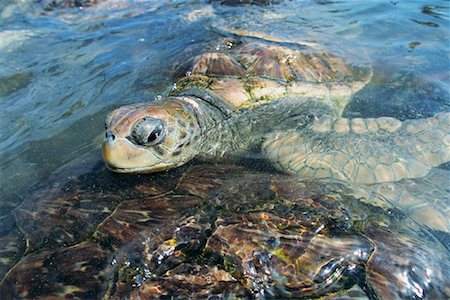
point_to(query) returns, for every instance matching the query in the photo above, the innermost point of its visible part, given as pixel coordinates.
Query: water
(62, 70)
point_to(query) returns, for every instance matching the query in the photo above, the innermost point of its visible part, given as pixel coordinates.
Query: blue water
(63, 69)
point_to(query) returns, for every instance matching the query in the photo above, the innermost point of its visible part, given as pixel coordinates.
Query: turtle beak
(122, 156)
(108, 149)
(119, 154)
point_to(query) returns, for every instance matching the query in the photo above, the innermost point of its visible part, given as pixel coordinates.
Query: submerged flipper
(426, 200)
(362, 150)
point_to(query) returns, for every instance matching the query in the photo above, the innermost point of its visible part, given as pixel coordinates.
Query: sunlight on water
(63, 69)
(64, 65)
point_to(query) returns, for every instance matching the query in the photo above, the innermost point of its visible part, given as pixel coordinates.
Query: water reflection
(213, 230)
(429, 24)
(63, 69)
(437, 11)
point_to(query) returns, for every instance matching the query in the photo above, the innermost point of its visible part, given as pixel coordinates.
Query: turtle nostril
(109, 136)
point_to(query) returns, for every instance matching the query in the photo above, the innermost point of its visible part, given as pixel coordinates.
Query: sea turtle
(260, 93)
(214, 231)
(283, 100)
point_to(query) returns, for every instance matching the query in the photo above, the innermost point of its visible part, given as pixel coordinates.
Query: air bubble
(147, 273)
(139, 280)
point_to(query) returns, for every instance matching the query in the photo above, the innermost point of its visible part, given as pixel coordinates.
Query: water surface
(63, 69)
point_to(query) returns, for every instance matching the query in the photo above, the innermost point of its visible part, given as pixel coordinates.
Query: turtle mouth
(140, 170)
(121, 156)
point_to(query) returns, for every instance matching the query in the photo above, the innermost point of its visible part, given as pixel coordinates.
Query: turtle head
(150, 137)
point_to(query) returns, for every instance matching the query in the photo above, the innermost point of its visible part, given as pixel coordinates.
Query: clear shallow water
(63, 70)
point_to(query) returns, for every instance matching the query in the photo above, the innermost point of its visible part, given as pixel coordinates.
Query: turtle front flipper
(362, 150)
(426, 200)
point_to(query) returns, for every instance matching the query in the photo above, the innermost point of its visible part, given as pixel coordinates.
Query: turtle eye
(155, 134)
(147, 131)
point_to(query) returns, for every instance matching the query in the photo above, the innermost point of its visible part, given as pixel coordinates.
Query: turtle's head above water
(150, 137)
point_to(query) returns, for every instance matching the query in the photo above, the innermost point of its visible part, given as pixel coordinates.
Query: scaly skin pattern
(123, 155)
(362, 150)
(284, 102)
(426, 199)
(226, 103)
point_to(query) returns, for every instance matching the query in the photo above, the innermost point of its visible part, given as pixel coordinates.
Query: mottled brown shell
(253, 73)
(210, 231)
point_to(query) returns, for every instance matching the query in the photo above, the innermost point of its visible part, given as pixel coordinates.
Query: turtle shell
(248, 73)
(212, 231)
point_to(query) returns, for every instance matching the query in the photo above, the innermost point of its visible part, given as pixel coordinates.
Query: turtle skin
(284, 102)
(214, 231)
(263, 97)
